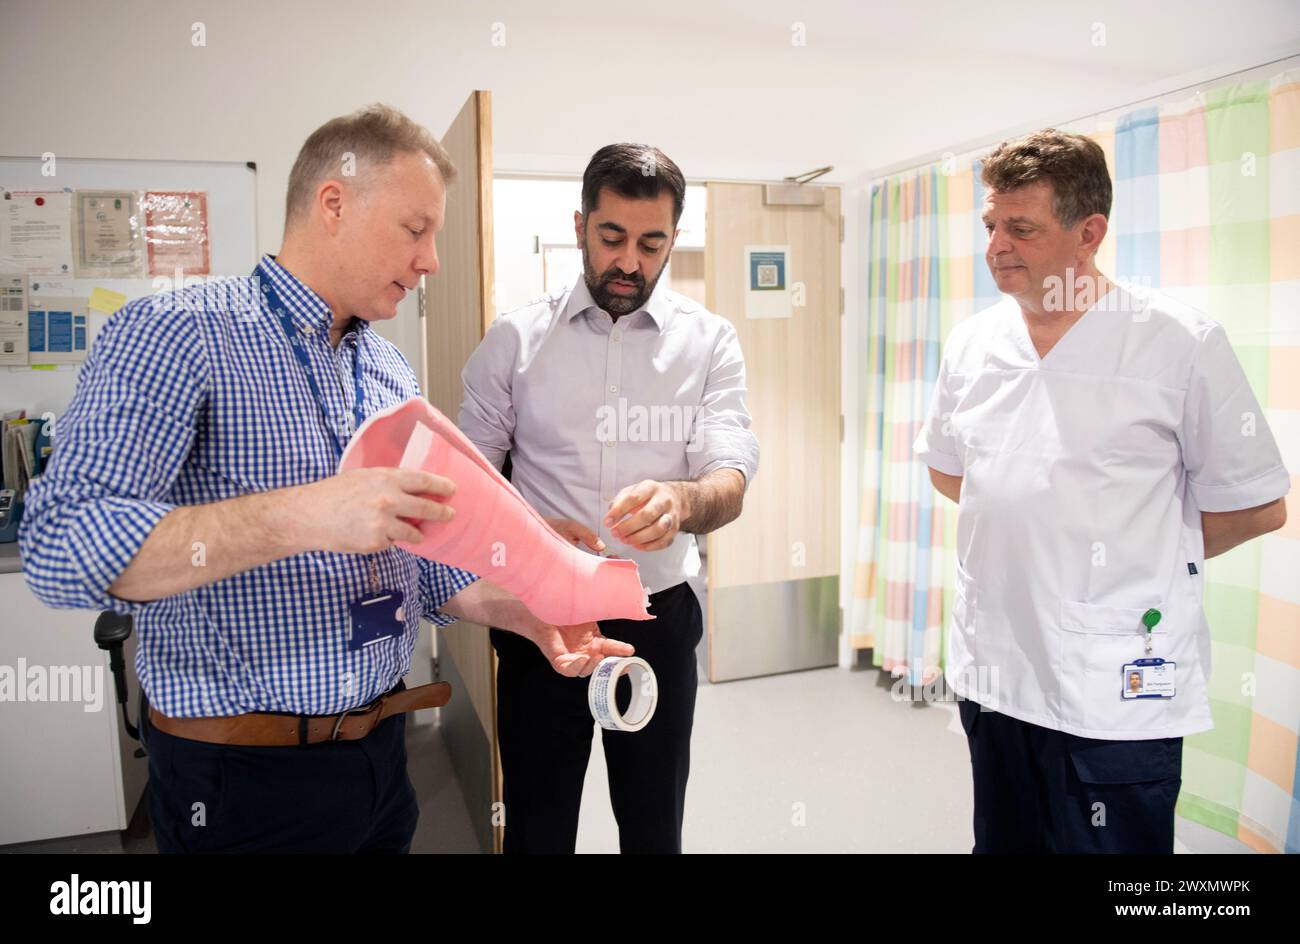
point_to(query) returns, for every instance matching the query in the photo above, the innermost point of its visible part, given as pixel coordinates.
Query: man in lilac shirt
(621, 407)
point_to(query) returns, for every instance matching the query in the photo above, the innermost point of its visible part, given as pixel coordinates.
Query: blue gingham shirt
(195, 397)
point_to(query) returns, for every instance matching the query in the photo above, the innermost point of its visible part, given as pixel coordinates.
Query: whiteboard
(231, 187)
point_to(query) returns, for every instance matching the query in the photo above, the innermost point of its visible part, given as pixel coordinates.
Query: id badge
(376, 617)
(1149, 678)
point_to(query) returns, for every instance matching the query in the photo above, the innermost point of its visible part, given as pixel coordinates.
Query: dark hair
(638, 171)
(1073, 165)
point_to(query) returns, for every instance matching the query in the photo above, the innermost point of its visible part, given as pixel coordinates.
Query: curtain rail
(977, 144)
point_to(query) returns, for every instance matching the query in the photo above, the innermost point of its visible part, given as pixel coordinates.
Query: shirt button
(613, 388)
(610, 444)
(615, 335)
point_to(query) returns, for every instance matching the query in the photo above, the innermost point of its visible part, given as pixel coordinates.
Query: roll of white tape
(645, 693)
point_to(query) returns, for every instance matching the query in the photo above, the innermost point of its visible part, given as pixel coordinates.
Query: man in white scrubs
(1101, 442)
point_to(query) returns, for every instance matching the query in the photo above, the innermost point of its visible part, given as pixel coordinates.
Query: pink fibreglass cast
(495, 533)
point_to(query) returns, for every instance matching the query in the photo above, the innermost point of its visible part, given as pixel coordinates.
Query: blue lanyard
(295, 342)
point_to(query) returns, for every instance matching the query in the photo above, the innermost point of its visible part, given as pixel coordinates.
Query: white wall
(722, 87)
(743, 90)
(525, 212)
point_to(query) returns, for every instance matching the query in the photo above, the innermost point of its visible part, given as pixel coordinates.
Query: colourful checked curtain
(1207, 209)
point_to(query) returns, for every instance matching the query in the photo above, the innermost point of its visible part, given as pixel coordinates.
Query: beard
(606, 298)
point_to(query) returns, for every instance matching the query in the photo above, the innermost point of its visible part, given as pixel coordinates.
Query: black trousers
(1038, 790)
(544, 728)
(339, 797)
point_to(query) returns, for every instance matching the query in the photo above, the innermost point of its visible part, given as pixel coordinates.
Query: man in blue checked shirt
(193, 484)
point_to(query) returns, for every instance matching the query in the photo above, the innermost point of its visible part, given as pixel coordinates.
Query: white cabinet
(64, 770)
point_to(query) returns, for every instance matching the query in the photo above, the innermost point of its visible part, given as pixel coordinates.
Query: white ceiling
(721, 88)
(717, 84)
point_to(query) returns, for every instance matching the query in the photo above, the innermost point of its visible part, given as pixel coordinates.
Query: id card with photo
(1149, 678)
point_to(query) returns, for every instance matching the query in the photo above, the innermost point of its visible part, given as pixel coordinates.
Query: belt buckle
(365, 709)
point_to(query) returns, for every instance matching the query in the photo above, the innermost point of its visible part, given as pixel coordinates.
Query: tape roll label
(604, 684)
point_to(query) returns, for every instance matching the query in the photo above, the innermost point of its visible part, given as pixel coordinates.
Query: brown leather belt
(264, 729)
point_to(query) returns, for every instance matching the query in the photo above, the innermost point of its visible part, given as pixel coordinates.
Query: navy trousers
(545, 730)
(339, 797)
(1038, 790)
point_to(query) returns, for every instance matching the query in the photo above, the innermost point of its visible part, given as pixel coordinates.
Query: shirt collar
(307, 310)
(657, 306)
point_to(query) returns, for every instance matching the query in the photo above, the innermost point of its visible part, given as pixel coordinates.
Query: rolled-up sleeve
(487, 411)
(721, 437)
(118, 449)
(438, 584)
(1231, 458)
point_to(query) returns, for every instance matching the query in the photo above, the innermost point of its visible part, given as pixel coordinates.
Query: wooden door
(773, 575)
(456, 308)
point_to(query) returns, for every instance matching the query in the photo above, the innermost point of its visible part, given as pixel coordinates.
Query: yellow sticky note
(101, 299)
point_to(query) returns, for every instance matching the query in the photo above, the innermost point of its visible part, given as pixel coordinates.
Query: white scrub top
(1084, 476)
